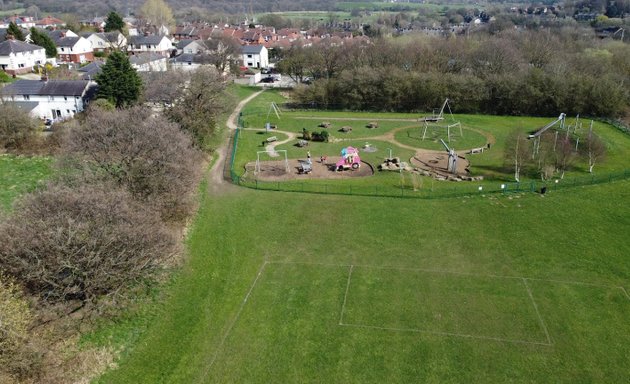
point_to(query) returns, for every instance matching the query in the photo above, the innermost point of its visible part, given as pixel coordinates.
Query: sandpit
(437, 161)
(275, 170)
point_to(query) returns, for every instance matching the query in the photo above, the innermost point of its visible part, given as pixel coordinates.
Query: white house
(52, 99)
(191, 46)
(149, 62)
(153, 43)
(255, 56)
(74, 50)
(106, 41)
(17, 57)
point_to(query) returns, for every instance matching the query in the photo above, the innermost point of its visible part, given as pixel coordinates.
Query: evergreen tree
(118, 81)
(114, 22)
(43, 40)
(15, 31)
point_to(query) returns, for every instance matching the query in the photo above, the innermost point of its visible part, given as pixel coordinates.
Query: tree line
(517, 72)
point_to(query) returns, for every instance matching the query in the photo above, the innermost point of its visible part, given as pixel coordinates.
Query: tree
(595, 149)
(81, 243)
(164, 87)
(114, 22)
(15, 31)
(17, 128)
(200, 106)
(43, 40)
(149, 156)
(294, 64)
(157, 13)
(118, 81)
(224, 50)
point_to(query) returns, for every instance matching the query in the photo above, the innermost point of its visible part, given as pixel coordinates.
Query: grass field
(308, 288)
(303, 288)
(19, 175)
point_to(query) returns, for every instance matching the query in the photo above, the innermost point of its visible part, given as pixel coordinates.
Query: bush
(80, 243)
(149, 156)
(17, 128)
(17, 359)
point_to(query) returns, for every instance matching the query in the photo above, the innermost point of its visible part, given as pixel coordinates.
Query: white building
(51, 99)
(17, 57)
(149, 62)
(106, 41)
(74, 50)
(161, 45)
(255, 56)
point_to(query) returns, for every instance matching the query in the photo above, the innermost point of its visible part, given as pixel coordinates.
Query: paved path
(217, 183)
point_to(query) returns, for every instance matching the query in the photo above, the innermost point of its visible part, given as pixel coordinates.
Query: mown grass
(452, 266)
(19, 174)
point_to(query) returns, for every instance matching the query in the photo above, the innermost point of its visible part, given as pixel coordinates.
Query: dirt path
(271, 147)
(217, 184)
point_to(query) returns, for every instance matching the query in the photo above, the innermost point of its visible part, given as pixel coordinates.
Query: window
(26, 97)
(62, 49)
(67, 111)
(65, 98)
(249, 56)
(21, 65)
(51, 98)
(76, 97)
(250, 64)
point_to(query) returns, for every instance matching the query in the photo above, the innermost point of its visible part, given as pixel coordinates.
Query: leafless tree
(79, 243)
(201, 104)
(595, 149)
(223, 51)
(149, 156)
(517, 152)
(164, 87)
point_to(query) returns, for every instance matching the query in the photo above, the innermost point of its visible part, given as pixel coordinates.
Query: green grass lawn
(19, 175)
(312, 288)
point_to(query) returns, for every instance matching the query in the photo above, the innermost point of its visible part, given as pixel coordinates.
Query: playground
(434, 148)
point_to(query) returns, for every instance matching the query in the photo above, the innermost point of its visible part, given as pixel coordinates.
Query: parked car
(268, 79)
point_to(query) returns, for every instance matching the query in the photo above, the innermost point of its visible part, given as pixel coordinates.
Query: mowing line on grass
(345, 296)
(462, 335)
(233, 322)
(624, 291)
(445, 271)
(542, 322)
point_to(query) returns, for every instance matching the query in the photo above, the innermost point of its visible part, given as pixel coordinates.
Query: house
(191, 46)
(150, 44)
(255, 56)
(149, 62)
(90, 71)
(24, 22)
(76, 50)
(106, 41)
(50, 22)
(189, 61)
(50, 99)
(17, 57)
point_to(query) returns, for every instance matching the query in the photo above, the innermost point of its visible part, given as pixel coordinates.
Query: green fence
(406, 190)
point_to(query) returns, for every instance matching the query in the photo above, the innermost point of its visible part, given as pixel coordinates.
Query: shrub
(17, 128)
(80, 243)
(17, 359)
(149, 156)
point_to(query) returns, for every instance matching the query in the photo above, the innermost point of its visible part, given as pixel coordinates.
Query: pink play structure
(349, 159)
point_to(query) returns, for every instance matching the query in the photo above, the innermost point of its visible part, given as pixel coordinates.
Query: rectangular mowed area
(345, 323)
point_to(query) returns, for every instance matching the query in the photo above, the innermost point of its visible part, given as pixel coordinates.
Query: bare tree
(566, 154)
(223, 52)
(79, 243)
(517, 151)
(595, 149)
(164, 87)
(149, 156)
(201, 104)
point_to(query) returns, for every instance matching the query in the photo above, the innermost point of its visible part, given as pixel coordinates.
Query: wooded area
(513, 73)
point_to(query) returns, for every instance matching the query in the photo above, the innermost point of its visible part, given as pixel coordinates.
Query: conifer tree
(43, 40)
(118, 81)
